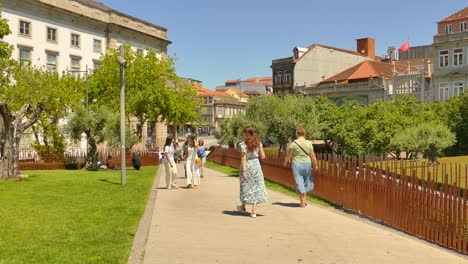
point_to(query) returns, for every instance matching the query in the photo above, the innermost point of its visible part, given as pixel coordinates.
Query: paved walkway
(202, 226)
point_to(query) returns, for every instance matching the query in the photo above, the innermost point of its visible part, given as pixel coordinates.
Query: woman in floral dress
(252, 184)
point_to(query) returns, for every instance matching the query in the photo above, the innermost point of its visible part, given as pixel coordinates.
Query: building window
(97, 45)
(443, 91)
(75, 66)
(24, 57)
(457, 88)
(448, 28)
(462, 26)
(25, 28)
(52, 35)
(443, 58)
(51, 62)
(96, 64)
(220, 112)
(458, 57)
(286, 77)
(75, 40)
(278, 77)
(210, 100)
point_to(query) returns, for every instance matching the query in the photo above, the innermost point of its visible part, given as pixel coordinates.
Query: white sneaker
(253, 215)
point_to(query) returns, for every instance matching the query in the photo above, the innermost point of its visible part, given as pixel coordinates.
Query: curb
(137, 253)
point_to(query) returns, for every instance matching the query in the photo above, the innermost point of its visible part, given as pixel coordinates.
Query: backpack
(201, 152)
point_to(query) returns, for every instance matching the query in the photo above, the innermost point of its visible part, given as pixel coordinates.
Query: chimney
(366, 47)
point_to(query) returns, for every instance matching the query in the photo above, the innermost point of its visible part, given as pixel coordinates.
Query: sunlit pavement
(203, 226)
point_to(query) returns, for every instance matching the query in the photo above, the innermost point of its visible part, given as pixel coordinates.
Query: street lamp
(123, 64)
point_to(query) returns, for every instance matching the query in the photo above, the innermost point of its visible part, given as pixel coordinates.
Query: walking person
(201, 152)
(193, 176)
(169, 164)
(301, 154)
(252, 184)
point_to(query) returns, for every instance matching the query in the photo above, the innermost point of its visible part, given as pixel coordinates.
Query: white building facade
(450, 77)
(69, 35)
(73, 35)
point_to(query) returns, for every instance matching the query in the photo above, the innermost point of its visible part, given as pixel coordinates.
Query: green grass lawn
(233, 172)
(72, 216)
(445, 166)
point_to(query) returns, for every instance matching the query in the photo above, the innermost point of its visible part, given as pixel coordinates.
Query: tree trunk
(9, 154)
(14, 124)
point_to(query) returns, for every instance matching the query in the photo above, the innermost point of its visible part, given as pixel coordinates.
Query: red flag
(405, 46)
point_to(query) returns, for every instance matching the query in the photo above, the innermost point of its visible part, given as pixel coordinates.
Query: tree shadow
(286, 204)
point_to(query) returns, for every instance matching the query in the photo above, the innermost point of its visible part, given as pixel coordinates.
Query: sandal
(242, 209)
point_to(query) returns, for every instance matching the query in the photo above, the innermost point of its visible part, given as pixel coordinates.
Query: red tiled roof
(368, 69)
(231, 81)
(207, 92)
(462, 14)
(258, 79)
(252, 92)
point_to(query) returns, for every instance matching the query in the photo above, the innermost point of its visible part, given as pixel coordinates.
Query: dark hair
(251, 139)
(192, 137)
(168, 141)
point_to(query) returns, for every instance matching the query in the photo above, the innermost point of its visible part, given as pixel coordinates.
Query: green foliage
(5, 48)
(351, 128)
(426, 138)
(153, 91)
(112, 132)
(32, 85)
(454, 114)
(65, 216)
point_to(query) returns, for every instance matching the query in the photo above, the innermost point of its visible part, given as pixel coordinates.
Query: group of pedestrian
(300, 155)
(195, 157)
(252, 185)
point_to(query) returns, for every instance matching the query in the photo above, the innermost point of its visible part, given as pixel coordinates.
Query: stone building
(309, 66)
(72, 35)
(215, 107)
(253, 85)
(450, 76)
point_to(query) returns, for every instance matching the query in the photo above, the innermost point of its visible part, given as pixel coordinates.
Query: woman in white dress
(193, 176)
(169, 164)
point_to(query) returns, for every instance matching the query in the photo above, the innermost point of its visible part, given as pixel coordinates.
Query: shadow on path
(237, 213)
(286, 204)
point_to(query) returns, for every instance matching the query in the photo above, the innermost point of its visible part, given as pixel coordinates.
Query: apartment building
(309, 66)
(450, 75)
(216, 106)
(72, 35)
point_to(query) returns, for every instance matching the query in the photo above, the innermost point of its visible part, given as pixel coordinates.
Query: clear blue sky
(218, 40)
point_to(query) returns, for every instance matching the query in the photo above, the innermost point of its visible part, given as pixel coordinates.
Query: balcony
(438, 39)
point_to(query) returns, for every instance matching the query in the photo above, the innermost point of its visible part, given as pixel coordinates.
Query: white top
(170, 150)
(191, 153)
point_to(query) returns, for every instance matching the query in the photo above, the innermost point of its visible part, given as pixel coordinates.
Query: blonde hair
(300, 131)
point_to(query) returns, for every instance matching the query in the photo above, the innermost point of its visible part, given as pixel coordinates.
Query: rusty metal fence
(428, 201)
